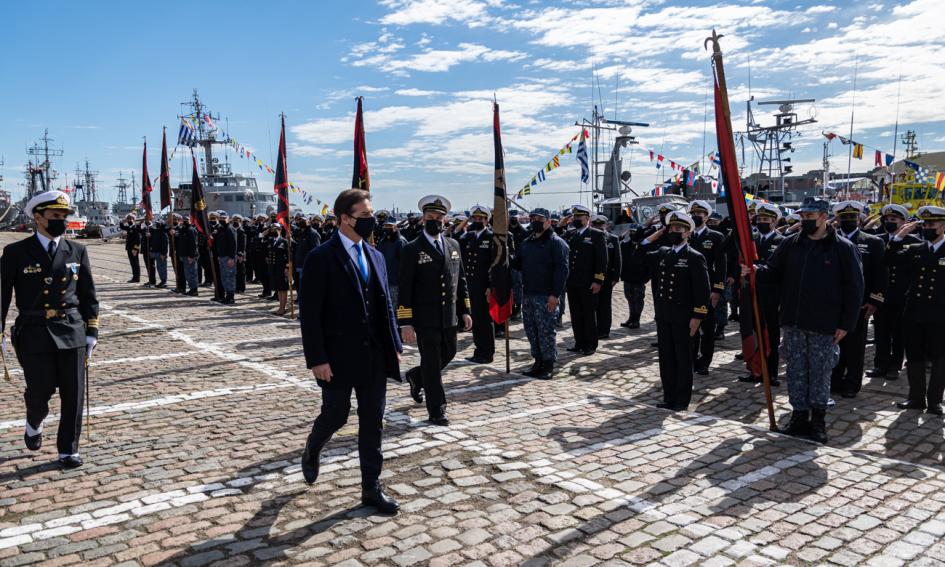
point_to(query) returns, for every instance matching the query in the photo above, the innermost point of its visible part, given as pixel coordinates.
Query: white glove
(90, 343)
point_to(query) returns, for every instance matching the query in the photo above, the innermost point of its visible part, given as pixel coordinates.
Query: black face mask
(513, 221)
(808, 226)
(890, 227)
(675, 238)
(433, 227)
(849, 226)
(764, 227)
(390, 234)
(476, 226)
(929, 234)
(536, 226)
(365, 226)
(698, 220)
(56, 227)
(577, 223)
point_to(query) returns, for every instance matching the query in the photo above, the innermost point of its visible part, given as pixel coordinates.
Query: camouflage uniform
(540, 327)
(810, 357)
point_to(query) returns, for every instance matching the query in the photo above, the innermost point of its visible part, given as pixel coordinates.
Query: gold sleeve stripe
(720, 286)
(877, 297)
(599, 276)
(701, 310)
(467, 303)
(404, 313)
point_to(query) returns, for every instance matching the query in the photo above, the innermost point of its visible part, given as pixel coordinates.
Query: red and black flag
(198, 207)
(282, 184)
(165, 175)
(146, 186)
(500, 277)
(754, 336)
(360, 178)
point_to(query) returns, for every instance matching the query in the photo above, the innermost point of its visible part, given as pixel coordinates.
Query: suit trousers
(605, 308)
(160, 266)
(45, 373)
(583, 311)
(703, 348)
(889, 341)
(924, 344)
(336, 406)
(675, 353)
(135, 265)
(483, 330)
(847, 375)
(189, 267)
(635, 294)
(437, 348)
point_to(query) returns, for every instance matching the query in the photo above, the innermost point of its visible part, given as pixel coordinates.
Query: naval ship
(223, 189)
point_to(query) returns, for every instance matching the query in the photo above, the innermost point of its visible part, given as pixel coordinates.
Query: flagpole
(756, 312)
(856, 70)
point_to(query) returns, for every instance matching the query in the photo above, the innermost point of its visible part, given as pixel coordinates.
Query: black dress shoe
(374, 495)
(546, 371)
(310, 465)
(935, 409)
(500, 334)
(133, 280)
(603, 336)
(625, 324)
(634, 325)
(161, 285)
(849, 394)
(702, 371)
(479, 359)
(70, 462)
(663, 405)
(739, 356)
(439, 420)
(588, 351)
(910, 404)
(534, 371)
(655, 344)
(193, 292)
(575, 349)
(876, 372)
(750, 379)
(33, 443)
(416, 390)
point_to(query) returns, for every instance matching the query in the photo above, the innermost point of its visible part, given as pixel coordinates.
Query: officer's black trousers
(771, 319)
(583, 309)
(483, 329)
(180, 278)
(925, 342)
(703, 348)
(635, 294)
(847, 375)
(262, 272)
(336, 406)
(205, 270)
(675, 353)
(45, 373)
(605, 308)
(889, 345)
(437, 348)
(135, 265)
(241, 276)
(150, 267)
(249, 268)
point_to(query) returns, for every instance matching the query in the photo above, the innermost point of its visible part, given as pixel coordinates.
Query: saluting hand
(322, 372)
(908, 229)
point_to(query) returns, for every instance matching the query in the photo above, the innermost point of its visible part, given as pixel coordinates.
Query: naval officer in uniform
(56, 326)
(432, 303)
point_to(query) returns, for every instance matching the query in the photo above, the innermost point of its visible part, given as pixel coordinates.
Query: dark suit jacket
(334, 319)
(63, 284)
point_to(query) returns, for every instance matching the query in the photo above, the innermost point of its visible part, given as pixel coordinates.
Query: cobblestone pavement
(200, 412)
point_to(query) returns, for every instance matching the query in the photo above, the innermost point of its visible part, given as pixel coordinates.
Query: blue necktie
(361, 264)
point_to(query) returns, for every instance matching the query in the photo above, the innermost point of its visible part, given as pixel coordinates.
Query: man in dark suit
(680, 301)
(433, 298)
(350, 339)
(56, 326)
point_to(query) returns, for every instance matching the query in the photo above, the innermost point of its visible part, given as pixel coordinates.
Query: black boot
(310, 462)
(818, 429)
(373, 495)
(547, 370)
(534, 371)
(799, 426)
(229, 298)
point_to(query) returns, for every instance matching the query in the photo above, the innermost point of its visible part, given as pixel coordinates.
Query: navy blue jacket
(821, 282)
(333, 317)
(391, 249)
(543, 261)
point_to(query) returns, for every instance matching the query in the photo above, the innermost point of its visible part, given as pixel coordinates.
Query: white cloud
(416, 92)
(820, 9)
(436, 12)
(436, 60)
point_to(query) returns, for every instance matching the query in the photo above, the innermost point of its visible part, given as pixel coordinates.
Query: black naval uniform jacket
(769, 291)
(55, 299)
(477, 252)
(587, 261)
(873, 255)
(711, 244)
(433, 289)
(614, 259)
(924, 303)
(898, 260)
(133, 236)
(680, 282)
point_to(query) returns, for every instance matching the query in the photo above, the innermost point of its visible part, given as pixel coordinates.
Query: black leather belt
(48, 313)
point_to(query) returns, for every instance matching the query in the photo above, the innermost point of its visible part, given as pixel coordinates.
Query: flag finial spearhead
(715, 42)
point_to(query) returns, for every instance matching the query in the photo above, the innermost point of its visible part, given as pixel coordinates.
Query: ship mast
(206, 125)
(39, 177)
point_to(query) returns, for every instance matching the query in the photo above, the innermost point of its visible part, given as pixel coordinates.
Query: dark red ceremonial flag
(146, 185)
(198, 207)
(360, 178)
(165, 175)
(282, 184)
(500, 277)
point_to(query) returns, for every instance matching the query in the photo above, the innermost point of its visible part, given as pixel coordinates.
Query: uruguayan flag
(187, 136)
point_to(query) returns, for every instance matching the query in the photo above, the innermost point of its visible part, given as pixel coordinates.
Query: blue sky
(102, 75)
